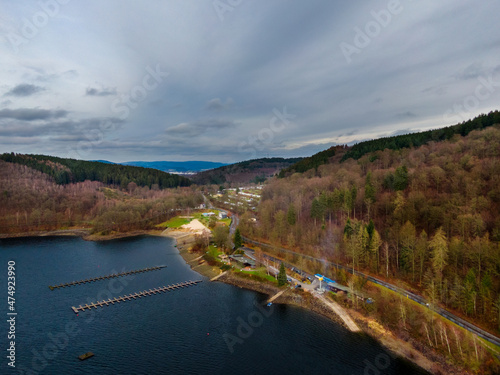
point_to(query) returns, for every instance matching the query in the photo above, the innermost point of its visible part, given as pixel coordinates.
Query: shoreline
(83, 233)
(370, 327)
(397, 347)
(184, 240)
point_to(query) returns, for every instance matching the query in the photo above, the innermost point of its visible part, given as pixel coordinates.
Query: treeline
(419, 139)
(31, 201)
(428, 215)
(65, 171)
(308, 163)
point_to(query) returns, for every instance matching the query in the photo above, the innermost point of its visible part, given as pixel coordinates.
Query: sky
(232, 80)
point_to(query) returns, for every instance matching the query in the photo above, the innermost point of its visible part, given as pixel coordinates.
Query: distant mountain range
(182, 167)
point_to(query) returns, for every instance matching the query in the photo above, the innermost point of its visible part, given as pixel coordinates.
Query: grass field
(260, 272)
(175, 222)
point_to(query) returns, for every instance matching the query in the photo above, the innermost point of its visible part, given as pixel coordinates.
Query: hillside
(310, 162)
(65, 171)
(31, 200)
(250, 171)
(427, 215)
(394, 143)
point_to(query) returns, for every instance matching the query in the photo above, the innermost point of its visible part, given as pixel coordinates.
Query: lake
(210, 328)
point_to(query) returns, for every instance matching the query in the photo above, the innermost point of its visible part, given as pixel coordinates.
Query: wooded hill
(428, 215)
(65, 171)
(421, 138)
(394, 143)
(31, 200)
(308, 163)
(249, 171)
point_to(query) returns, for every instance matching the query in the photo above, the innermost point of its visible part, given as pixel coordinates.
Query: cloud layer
(123, 80)
(24, 89)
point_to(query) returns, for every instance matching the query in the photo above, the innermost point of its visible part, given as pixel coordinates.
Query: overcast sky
(229, 80)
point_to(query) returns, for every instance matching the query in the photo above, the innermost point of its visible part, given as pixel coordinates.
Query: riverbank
(84, 233)
(305, 300)
(185, 240)
(74, 232)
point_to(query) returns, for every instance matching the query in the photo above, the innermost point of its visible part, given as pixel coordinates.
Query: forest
(421, 138)
(308, 163)
(31, 200)
(427, 216)
(65, 171)
(393, 143)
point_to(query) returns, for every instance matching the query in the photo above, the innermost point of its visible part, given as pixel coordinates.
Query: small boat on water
(85, 356)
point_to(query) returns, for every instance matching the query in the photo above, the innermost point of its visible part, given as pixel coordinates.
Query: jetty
(106, 277)
(273, 298)
(134, 296)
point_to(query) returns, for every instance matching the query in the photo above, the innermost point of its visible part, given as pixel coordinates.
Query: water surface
(211, 328)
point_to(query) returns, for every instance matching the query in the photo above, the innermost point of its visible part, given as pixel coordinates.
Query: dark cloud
(31, 114)
(70, 138)
(65, 130)
(260, 57)
(24, 89)
(12, 140)
(436, 90)
(100, 92)
(407, 114)
(28, 130)
(473, 71)
(191, 129)
(216, 104)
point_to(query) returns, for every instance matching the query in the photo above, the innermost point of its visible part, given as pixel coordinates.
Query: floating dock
(121, 274)
(129, 297)
(85, 356)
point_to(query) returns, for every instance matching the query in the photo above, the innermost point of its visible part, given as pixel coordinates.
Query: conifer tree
(282, 276)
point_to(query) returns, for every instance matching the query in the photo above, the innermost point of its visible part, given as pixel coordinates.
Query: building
(243, 260)
(222, 215)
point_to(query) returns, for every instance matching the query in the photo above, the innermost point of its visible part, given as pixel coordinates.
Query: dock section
(129, 297)
(99, 278)
(273, 298)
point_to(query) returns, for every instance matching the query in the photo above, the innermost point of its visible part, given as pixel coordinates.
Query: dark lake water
(211, 328)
